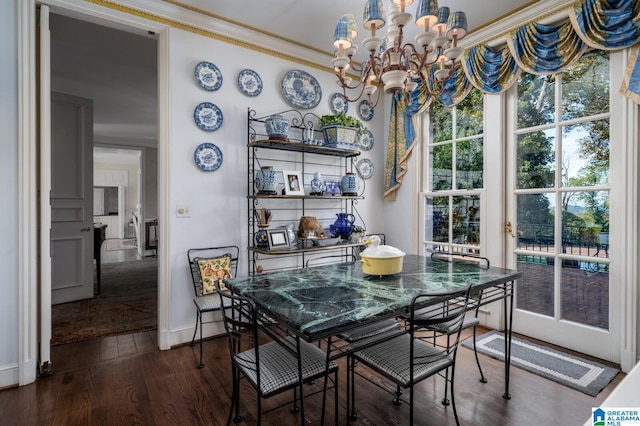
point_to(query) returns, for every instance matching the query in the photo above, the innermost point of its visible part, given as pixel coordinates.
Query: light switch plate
(183, 210)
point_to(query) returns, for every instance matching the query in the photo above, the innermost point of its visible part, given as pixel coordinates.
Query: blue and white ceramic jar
(277, 127)
(317, 185)
(266, 180)
(349, 184)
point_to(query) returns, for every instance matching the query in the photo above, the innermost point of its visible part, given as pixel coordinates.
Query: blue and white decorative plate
(208, 76)
(365, 167)
(365, 110)
(365, 140)
(301, 89)
(339, 103)
(208, 116)
(208, 157)
(249, 82)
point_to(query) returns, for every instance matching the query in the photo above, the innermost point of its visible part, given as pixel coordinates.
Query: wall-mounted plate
(208, 76)
(249, 82)
(208, 157)
(365, 167)
(301, 89)
(208, 116)
(339, 103)
(365, 140)
(365, 110)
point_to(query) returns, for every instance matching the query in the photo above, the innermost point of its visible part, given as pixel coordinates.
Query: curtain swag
(533, 48)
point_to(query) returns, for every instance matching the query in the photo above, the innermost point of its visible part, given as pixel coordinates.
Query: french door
(564, 154)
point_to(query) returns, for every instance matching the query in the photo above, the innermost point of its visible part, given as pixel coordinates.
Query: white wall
(150, 182)
(217, 200)
(9, 284)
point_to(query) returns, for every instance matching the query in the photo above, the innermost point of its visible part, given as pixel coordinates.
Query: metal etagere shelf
(308, 159)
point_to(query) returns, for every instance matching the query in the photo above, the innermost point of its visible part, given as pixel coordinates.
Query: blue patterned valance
(534, 48)
(631, 82)
(604, 24)
(492, 70)
(544, 49)
(455, 89)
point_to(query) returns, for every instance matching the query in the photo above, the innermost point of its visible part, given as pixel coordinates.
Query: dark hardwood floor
(126, 380)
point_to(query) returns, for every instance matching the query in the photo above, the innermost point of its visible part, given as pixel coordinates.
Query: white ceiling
(312, 22)
(118, 69)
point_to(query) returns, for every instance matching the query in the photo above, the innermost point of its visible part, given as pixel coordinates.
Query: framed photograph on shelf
(278, 238)
(333, 187)
(293, 184)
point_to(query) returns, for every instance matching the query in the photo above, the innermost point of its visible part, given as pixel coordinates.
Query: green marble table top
(322, 301)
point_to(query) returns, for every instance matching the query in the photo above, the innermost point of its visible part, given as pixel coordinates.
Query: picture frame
(293, 184)
(278, 238)
(333, 188)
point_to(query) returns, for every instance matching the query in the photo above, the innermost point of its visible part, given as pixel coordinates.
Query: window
(455, 171)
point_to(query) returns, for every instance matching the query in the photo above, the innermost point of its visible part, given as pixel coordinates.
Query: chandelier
(399, 66)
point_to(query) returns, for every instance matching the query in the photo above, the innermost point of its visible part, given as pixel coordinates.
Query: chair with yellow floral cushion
(208, 265)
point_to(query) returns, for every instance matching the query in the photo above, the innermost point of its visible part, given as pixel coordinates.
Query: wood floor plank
(167, 388)
(108, 348)
(126, 345)
(144, 343)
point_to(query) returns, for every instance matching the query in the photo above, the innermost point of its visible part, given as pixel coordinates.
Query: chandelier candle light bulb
(400, 66)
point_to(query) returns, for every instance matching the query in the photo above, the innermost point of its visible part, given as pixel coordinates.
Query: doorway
(117, 70)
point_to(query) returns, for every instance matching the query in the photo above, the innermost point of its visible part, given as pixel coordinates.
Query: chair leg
(235, 398)
(445, 400)
(295, 409)
(201, 365)
(475, 351)
(195, 330)
(335, 396)
(453, 399)
(351, 390)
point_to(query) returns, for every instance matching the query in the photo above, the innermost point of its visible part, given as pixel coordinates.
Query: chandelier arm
(354, 65)
(350, 99)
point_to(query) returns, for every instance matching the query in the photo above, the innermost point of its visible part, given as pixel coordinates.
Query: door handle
(85, 229)
(508, 229)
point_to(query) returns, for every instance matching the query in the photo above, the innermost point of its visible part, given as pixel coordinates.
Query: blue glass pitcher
(343, 226)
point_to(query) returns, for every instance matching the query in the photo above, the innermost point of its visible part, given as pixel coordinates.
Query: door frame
(30, 308)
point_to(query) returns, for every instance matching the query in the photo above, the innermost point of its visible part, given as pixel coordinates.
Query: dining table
(323, 303)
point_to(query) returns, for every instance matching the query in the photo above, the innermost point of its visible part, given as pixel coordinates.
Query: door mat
(577, 373)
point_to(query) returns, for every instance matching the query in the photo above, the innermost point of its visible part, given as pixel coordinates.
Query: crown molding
(544, 11)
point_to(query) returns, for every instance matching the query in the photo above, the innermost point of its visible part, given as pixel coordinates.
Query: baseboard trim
(183, 336)
(9, 377)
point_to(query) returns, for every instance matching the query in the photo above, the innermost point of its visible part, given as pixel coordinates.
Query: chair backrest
(196, 255)
(450, 309)
(481, 261)
(241, 326)
(337, 258)
(475, 298)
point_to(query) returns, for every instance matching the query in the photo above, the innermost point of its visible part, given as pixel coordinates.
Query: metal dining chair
(470, 320)
(270, 368)
(218, 262)
(412, 357)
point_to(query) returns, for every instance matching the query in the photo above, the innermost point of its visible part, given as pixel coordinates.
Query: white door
(564, 151)
(71, 198)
